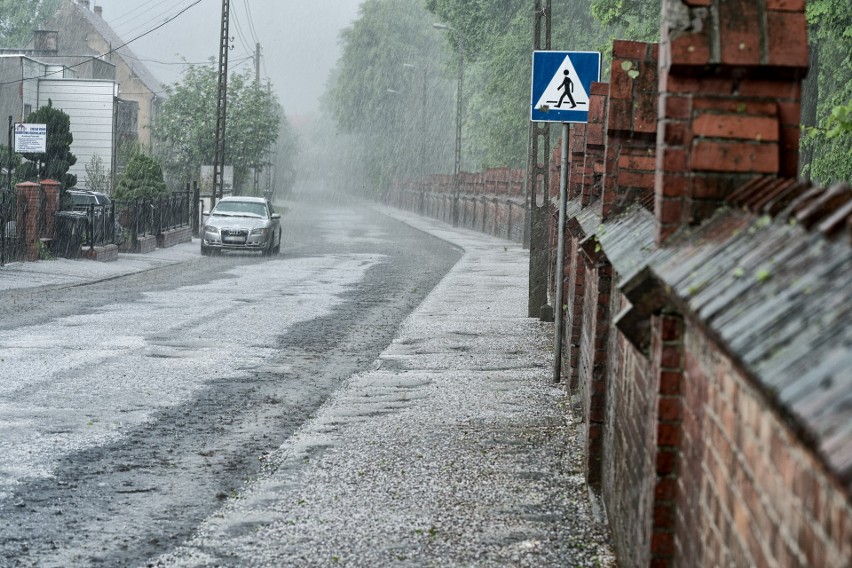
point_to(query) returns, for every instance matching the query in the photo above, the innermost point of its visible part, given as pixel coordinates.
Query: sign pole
(4, 206)
(560, 256)
(561, 84)
(9, 163)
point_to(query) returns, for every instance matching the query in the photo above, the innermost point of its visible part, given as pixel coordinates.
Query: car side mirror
(206, 214)
(276, 216)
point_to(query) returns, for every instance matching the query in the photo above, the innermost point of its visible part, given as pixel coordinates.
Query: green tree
(637, 20)
(97, 176)
(393, 93)
(143, 177)
(498, 45)
(4, 165)
(185, 127)
(55, 163)
(481, 21)
(284, 155)
(390, 35)
(18, 19)
(827, 140)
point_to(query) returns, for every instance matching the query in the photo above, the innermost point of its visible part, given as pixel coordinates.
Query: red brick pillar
(595, 144)
(630, 159)
(51, 191)
(576, 160)
(668, 361)
(29, 195)
(730, 84)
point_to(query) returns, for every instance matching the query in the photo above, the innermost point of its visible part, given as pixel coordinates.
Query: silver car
(242, 223)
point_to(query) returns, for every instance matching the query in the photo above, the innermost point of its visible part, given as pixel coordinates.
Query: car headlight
(260, 232)
(209, 229)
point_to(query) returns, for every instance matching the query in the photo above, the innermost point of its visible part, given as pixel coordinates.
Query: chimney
(99, 11)
(83, 3)
(45, 42)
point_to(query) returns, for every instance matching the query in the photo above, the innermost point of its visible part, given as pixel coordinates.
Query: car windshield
(240, 209)
(83, 199)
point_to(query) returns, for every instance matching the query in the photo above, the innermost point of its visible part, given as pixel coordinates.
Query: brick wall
(629, 457)
(685, 363)
(575, 294)
(757, 497)
(631, 126)
(490, 202)
(594, 342)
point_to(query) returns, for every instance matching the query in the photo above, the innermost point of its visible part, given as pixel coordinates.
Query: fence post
(196, 214)
(134, 233)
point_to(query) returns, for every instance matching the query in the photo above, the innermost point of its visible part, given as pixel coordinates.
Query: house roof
(124, 52)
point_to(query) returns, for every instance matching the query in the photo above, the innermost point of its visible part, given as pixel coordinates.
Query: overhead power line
(162, 16)
(252, 29)
(113, 50)
(123, 18)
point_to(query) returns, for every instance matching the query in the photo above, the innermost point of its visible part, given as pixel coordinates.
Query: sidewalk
(455, 451)
(59, 272)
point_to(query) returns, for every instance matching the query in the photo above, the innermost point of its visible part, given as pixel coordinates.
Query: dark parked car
(83, 199)
(99, 208)
(242, 223)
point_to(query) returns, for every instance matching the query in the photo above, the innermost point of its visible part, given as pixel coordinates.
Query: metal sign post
(561, 83)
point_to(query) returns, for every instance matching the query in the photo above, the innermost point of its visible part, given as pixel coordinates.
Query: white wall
(91, 106)
(30, 68)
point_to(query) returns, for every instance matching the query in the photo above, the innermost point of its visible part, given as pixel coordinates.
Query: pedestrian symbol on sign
(568, 85)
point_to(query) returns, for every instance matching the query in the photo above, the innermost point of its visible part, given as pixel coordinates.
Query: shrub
(143, 177)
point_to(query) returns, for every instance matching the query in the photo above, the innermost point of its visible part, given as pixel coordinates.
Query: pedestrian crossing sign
(561, 82)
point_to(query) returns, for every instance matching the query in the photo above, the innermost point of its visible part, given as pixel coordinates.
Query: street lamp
(459, 107)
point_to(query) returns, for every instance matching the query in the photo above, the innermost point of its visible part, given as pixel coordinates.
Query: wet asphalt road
(99, 469)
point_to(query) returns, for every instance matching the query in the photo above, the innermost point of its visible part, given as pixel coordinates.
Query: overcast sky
(300, 39)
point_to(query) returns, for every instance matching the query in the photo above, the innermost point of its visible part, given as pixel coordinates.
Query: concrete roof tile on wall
(778, 298)
(628, 240)
(781, 300)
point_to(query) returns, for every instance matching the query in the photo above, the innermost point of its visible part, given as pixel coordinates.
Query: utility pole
(221, 105)
(257, 64)
(538, 179)
(257, 85)
(9, 163)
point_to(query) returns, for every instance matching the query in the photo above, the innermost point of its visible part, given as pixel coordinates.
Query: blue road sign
(561, 82)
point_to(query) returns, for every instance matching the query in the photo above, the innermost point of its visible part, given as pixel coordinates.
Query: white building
(91, 105)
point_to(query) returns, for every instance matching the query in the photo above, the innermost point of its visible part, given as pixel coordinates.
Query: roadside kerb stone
(64, 272)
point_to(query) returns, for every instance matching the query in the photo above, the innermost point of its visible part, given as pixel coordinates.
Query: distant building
(84, 33)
